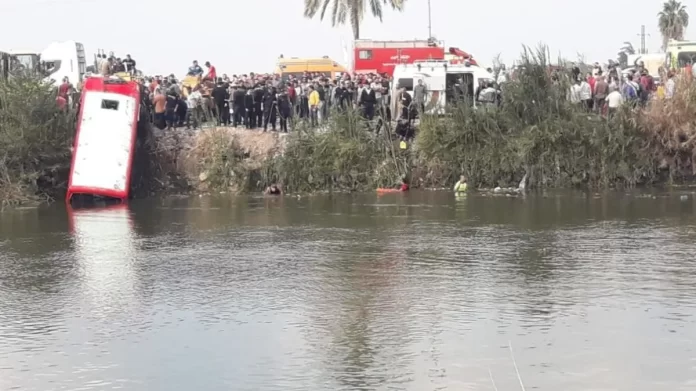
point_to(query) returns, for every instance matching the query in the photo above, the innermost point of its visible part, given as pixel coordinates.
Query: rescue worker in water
(273, 189)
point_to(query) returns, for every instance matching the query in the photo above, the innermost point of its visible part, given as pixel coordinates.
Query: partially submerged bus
(105, 139)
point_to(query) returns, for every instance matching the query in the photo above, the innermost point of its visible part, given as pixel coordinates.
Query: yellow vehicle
(298, 66)
(189, 83)
(680, 54)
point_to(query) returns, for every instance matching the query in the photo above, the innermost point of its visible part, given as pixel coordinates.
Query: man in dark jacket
(250, 116)
(258, 104)
(238, 105)
(221, 97)
(269, 108)
(368, 100)
(285, 110)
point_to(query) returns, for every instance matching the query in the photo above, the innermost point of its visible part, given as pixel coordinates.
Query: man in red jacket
(212, 72)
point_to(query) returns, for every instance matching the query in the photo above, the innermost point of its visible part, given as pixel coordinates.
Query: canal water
(420, 291)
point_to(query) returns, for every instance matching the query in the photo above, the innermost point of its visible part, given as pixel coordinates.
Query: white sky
(245, 36)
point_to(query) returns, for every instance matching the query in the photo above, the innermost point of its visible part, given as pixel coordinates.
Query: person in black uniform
(269, 108)
(249, 117)
(181, 110)
(258, 103)
(221, 97)
(368, 100)
(284, 109)
(238, 105)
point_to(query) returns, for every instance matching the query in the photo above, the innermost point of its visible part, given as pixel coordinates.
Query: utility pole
(643, 49)
(430, 24)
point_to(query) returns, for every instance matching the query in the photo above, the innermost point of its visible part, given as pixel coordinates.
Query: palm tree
(673, 21)
(353, 10)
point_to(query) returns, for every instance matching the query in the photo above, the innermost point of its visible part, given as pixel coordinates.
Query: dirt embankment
(211, 159)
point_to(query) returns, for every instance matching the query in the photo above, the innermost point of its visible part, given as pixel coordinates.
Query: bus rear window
(109, 104)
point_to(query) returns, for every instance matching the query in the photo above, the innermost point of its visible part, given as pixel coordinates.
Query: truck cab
(64, 59)
(58, 61)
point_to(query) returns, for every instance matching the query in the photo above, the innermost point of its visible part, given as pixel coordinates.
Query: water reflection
(419, 291)
(105, 250)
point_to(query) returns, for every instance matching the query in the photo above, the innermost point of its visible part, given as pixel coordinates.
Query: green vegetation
(349, 10)
(35, 140)
(536, 132)
(344, 157)
(539, 133)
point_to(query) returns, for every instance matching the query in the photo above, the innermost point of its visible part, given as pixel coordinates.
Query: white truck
(57, 61)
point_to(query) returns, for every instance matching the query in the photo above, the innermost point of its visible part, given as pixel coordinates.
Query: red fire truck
(382, 56)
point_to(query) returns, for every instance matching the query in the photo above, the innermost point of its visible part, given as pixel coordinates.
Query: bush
(342, 155)
(35, 140)
(537, 132)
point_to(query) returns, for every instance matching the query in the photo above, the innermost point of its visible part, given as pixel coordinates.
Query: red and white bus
(383, 56)
(105, 139)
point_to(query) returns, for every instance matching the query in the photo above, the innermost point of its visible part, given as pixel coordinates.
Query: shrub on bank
(341, 155)
(35, 140)
(539, 133)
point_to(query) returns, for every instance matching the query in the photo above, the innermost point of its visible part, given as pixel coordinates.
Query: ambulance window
(406, 83)
(365, 54)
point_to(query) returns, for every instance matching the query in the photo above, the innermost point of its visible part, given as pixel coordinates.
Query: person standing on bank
(269, 108)
(238, 105)
(285, 110)
(419, 94)
(368, 100)
(313, 102)
(220, 97)
(249, 116)
(258, 104)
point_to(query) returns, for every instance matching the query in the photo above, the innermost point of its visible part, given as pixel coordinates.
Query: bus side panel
(105, 140)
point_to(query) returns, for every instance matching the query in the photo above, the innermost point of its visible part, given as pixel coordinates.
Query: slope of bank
(220, 159)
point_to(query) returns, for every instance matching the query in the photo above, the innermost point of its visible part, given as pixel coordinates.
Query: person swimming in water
(460, 186)
(404, 184)
(273, 189)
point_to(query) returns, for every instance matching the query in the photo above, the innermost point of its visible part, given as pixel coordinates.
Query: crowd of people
(277, 103)
(262, 101)
(603, 92)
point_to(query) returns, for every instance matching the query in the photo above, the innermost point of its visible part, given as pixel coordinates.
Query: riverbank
(536, 132)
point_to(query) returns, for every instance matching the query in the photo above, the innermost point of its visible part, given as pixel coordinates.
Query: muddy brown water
(420, 291)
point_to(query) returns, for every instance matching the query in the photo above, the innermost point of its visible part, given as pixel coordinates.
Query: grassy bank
(536, 132)
(35, 139)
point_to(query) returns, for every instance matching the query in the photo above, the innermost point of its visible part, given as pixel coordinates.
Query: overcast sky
(245, 36)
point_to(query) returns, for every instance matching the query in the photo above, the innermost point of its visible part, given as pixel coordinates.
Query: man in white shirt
(670, 86)
(614, 101)
(575, 93)
(586, 94)
(194, 102)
